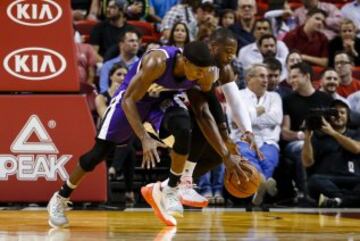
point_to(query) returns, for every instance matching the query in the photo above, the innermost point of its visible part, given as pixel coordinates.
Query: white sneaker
(258, 197)
(171, 201)
(188, 195)
(56, 209)
(271, 188)
(153, 196)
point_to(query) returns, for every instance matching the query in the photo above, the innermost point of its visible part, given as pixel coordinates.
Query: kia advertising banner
(41, 140)
(37, 49)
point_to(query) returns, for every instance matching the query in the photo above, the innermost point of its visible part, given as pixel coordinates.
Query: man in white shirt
(251, 53)
(265, 109)
(352, 11)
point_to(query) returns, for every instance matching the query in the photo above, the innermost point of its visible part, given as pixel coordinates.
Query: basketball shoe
(188, 195)
(56, 209)
(155, 198)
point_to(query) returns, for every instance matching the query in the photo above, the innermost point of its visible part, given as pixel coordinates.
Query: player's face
(330, 81)
(226, 52)
(199, 74)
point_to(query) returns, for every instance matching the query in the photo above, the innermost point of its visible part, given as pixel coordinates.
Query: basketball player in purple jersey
(146, 95)
(204, 155)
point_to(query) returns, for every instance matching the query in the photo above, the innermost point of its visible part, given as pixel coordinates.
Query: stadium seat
(147, 29)
(85, 26)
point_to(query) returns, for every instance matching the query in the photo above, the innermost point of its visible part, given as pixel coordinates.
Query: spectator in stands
(123, 157)
(334, 157)
(179, 35)
(211, 185)
(246, 12)
(265, 110)
(160, 7)
(308, 39)
(81, 9)
(354, 100)
(332, 20)
(207, 22)
(330, 80)
(266, 45)
(293, 58)
(86, 62)
(351, 11)
(274, 69)
(296, 107)
(347, 41)
(227, 18)
(106, 34)
(343, 65)
(182, 12)
(281, 17)
(129, 43)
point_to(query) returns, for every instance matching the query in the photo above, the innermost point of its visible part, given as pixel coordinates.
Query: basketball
(244, 189)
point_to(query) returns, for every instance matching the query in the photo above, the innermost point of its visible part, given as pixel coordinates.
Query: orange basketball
(244, 189)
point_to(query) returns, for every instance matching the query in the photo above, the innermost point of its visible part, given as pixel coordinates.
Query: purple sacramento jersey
(160, 95)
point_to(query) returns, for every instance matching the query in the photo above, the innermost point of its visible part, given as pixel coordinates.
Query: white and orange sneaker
(188, 195)
(154, 197)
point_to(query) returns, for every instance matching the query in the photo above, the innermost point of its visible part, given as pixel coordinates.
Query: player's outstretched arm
(152, 67)
(211, 132)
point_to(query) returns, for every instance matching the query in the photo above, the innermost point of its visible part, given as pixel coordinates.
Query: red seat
(356, 72)
(85, 26)
(317, 72)
(147, 29)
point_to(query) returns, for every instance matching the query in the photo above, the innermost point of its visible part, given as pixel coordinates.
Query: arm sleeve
(238, 109)
(215, 107)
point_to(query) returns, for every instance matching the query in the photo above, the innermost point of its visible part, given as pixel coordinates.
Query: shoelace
(63, 204)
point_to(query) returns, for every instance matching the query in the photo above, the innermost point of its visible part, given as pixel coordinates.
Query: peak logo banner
(42, 143)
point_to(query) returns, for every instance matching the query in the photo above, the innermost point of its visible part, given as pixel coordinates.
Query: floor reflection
(204, 226)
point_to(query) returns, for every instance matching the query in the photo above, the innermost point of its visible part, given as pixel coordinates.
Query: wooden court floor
(209, 224)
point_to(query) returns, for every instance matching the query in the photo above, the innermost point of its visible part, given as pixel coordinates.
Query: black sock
(65, 190)
(174, 179)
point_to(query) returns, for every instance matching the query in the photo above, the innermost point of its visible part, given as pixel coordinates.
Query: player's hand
(234, 164)
(249, 138)
(150, 154)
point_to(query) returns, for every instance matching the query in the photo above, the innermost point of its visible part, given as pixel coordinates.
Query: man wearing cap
(148, 94)
(332, 157)
(106, 33)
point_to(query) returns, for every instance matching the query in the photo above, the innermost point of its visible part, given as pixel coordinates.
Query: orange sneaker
(189, 196)
(152, 195)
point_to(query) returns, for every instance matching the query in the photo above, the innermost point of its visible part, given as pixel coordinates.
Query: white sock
(189, 169)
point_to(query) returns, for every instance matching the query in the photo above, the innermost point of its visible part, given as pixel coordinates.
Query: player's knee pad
(182, 138)
(98, 153)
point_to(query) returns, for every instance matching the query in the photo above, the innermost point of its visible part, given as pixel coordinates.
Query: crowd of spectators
(295, 59)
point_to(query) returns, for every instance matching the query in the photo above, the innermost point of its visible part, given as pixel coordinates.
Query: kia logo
(34, 63)
(34, 12)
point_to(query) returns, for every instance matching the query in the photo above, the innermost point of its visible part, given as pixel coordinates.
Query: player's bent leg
(58, 203)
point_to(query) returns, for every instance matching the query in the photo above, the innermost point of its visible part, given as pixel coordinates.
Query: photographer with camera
(331, 154)
(296, 107)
